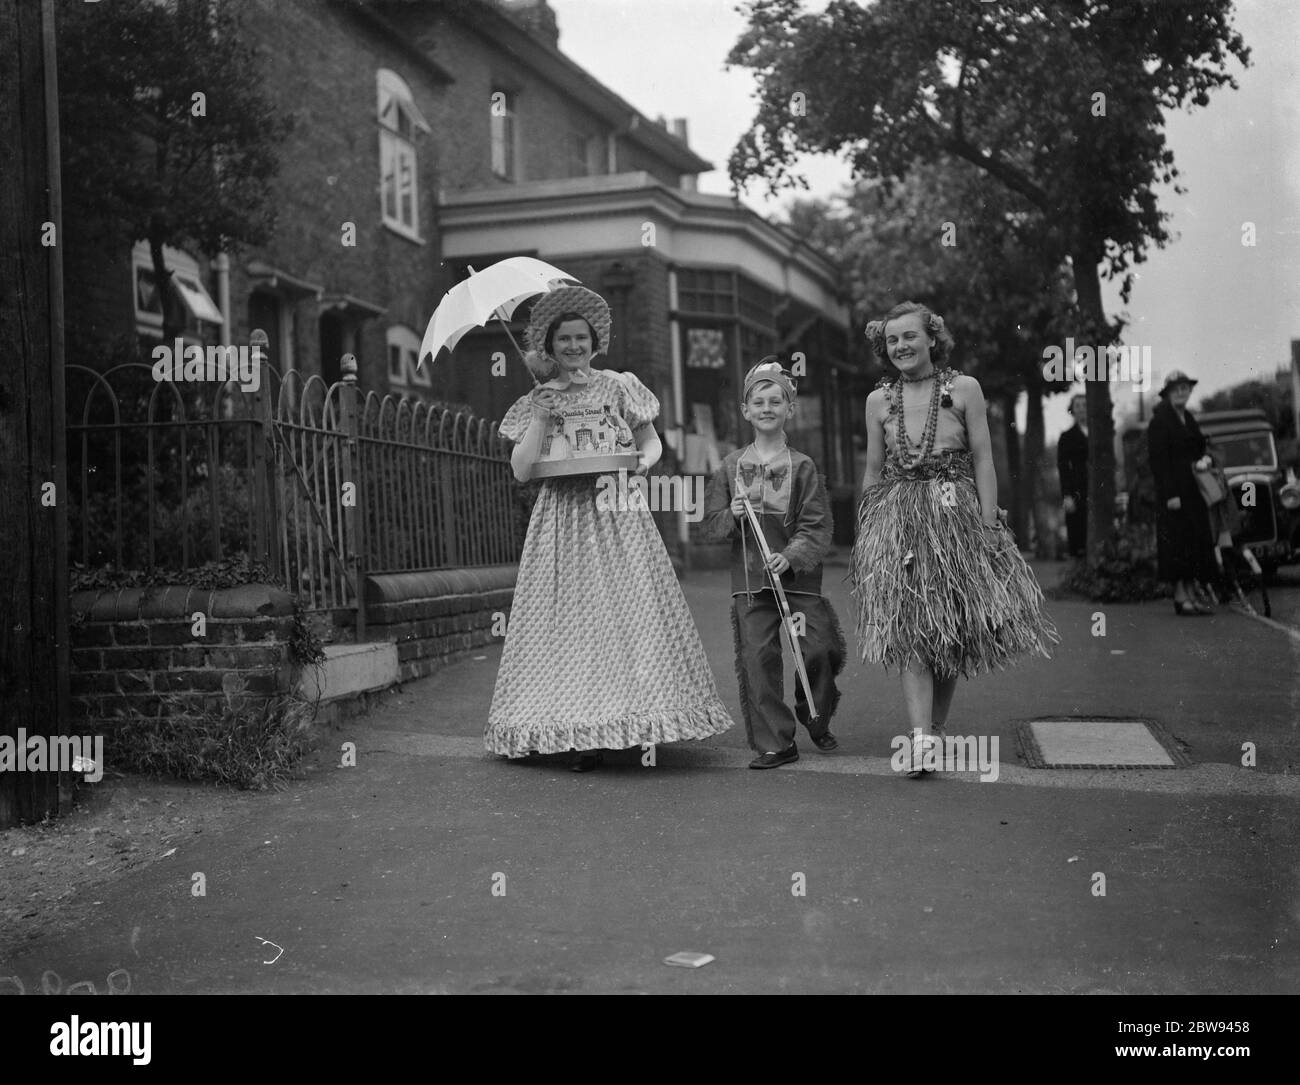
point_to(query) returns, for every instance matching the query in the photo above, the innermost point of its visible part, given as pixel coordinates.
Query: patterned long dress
(601, 650)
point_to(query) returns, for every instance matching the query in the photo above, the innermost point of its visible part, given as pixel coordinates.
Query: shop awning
(196, 298)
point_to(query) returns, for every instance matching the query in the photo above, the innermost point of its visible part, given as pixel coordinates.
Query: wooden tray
(586, 465)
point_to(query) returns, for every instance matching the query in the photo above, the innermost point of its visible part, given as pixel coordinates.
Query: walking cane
(783, 604)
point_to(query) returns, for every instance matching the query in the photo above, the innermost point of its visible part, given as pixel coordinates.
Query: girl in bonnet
(941, 588)
(601, 651)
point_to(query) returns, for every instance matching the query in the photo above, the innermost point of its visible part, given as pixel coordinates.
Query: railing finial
(258, 339)
(348, 367)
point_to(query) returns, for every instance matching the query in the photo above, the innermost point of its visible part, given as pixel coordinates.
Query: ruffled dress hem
(630, 729)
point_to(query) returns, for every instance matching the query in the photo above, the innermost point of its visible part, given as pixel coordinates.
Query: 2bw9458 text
(1148, 1028)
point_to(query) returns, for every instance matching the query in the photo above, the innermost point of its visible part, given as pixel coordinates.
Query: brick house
(433, 135)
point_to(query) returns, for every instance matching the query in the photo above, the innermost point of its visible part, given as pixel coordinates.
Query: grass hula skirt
(933, 588)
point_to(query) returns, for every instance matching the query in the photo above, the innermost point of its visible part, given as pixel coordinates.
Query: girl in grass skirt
(941, 588)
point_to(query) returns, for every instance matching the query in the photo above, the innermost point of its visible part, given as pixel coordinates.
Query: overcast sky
(1206, 304)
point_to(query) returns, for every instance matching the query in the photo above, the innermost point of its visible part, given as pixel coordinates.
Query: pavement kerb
(1294, 634)
(1204, 779)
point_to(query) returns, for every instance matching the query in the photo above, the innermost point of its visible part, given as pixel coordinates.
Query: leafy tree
(164, 130)
(1060, 101)
(978, 254)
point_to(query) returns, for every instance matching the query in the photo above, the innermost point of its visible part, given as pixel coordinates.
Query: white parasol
(495, 291)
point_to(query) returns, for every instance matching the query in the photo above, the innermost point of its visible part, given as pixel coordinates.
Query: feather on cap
(770, 370)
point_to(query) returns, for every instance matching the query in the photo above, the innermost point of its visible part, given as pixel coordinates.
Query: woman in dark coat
(1072, 466)
(1185, 548)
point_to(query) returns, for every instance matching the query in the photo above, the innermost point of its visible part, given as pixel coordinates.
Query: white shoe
(917, 759)
(935, 738)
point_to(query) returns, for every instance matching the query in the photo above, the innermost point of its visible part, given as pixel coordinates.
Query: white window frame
(504, 135)
(595, 156)
(408, 372)
(399, 122)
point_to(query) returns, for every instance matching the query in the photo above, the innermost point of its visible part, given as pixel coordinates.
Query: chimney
(679, 128)
(538, 17)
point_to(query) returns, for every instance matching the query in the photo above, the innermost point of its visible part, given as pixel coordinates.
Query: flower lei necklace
(940, 392)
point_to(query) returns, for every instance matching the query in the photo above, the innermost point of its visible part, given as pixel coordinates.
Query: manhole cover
(1091, 743)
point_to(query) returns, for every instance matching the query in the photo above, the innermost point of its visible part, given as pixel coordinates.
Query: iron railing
(322, 483)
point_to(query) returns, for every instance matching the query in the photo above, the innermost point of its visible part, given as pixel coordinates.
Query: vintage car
(1267, 496)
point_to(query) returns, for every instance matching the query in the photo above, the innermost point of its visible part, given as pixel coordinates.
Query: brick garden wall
(435, 616)
(136, 648)
(133, 647)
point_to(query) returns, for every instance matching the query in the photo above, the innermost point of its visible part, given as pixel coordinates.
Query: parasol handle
(506, 328)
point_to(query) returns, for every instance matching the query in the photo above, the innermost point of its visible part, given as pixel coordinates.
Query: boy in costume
(785, 491)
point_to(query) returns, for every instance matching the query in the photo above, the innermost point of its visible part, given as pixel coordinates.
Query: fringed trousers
(769, 723)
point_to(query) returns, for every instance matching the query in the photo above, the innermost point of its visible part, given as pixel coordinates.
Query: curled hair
(934, 326)
(554, 326)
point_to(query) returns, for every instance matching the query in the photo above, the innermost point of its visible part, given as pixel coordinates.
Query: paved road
(1212, 682)
(382, 877)
(1284, 595)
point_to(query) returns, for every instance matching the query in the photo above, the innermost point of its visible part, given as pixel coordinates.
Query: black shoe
(587, 761)
(776, 760)
(826, 742)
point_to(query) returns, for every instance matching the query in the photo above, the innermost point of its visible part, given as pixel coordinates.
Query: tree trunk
(1094, 331)
(34, 657)
(998, 439)
(1012, 498)
(1044, 537)
(173, 309)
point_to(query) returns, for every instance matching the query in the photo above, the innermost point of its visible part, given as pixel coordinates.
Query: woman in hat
(601, 651)
(1184, 544)
(941, 588)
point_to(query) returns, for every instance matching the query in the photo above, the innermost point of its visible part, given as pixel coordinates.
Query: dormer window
(399, 122)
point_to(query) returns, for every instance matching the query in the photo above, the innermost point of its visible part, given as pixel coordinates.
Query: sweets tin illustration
(586, 440)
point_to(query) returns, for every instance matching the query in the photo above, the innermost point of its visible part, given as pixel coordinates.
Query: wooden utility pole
(34, 657)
